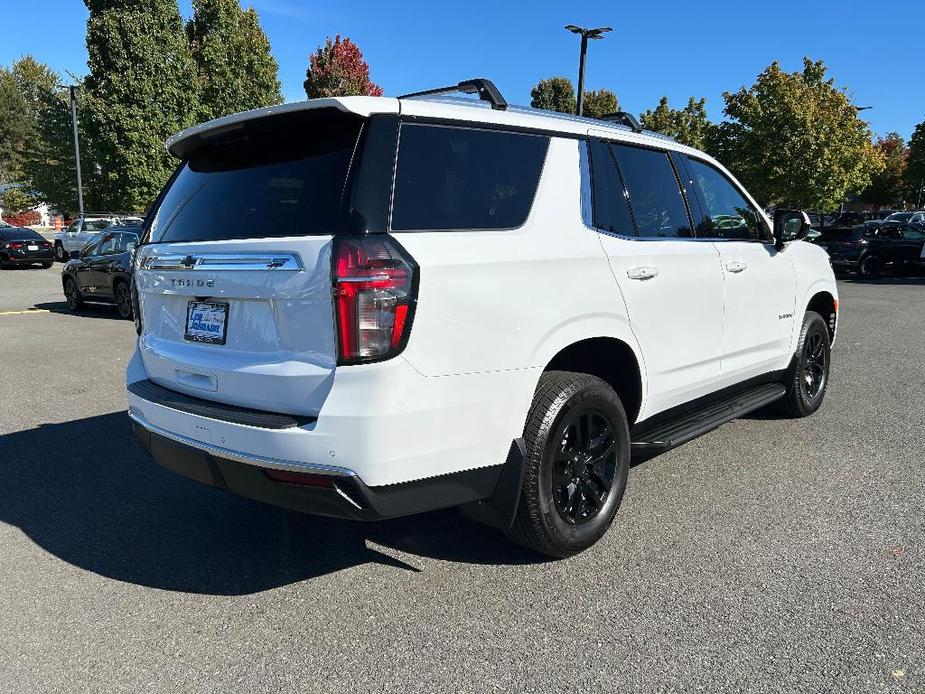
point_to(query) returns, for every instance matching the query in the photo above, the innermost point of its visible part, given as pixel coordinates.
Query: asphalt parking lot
(768, 556)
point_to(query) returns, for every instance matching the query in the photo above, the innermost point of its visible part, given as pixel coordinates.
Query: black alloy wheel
(72, 294)
(577, 456)
(870, 267)
(814, 365)
(123, 300)
(584, 466)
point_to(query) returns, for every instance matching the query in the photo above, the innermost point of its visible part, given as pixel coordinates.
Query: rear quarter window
(455, 178)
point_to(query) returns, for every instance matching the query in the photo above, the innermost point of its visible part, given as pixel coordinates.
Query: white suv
(369, 307)
(78, 234)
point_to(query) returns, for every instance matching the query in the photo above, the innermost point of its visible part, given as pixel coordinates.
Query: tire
(60, 255)
(48, 264)
(123, 296)
(870, 267)
(807, 384)
(72, 295)
(565, 505)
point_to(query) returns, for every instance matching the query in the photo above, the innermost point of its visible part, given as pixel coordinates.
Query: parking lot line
(28, 310)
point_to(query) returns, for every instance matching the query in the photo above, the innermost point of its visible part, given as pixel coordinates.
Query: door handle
(642, 273)
(736, 266)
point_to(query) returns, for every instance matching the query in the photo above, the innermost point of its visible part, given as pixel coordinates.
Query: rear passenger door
(671, 283)
(758, 280)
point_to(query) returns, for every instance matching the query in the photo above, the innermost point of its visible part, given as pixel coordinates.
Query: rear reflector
(304, 478)
(374, 293)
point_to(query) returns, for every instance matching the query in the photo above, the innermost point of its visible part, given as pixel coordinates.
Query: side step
(665, 435)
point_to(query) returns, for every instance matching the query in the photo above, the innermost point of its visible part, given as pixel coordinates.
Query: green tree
(888, 186)
(337, 69)
(915, 165)
(141, 89)
(795, 139)
(38, 154)
(14, 127)
(554, 94)
(600, 103)
(689, 125)
(236, 70)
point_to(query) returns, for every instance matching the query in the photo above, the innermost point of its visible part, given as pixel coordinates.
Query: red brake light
(14, 246)
(374, 293)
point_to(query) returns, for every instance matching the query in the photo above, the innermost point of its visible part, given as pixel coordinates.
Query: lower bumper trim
(345, 497)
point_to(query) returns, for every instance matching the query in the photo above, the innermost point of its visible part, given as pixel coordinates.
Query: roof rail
(624, 118)
(485, 88)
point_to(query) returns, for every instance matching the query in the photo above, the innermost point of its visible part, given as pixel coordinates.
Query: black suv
(102, 271)
(872, 249)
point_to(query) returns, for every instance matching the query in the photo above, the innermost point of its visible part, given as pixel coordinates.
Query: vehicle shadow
(106, 311)
(84, 491)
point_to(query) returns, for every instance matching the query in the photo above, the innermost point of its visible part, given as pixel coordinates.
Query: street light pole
(80, 188)
(586, 34)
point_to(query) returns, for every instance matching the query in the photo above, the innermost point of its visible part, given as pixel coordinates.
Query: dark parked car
(871, 249)
(102, 271)
(20, 246)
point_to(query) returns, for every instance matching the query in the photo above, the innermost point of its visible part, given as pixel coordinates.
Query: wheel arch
(610, 359)
(826, 305)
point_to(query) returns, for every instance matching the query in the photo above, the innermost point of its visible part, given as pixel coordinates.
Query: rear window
(14, 234)
(465, 178)
(275, 177)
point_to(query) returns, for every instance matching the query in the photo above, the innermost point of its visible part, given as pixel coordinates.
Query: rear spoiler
(187, 141)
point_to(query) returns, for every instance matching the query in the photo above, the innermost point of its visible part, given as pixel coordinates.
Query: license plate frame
(203, 334)
(32, 248)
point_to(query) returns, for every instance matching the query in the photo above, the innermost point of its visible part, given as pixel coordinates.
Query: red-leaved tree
(338, 69)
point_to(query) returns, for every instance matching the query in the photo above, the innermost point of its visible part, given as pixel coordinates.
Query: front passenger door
(759, 284)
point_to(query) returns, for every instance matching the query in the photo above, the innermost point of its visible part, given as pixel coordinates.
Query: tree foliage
(915, 164)
(795, 139)
(558, 94)
(235, 68)
(337, 69)
(888, 186)
(689, 125)
(600, 103)
(554, 94)
(37, 151)
(142, 88)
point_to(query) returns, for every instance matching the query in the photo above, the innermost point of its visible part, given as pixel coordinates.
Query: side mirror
(790, 225)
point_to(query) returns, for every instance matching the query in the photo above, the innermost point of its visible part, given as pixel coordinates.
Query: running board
(668, 434)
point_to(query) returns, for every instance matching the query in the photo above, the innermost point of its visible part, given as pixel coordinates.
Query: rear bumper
(330, 491)
(30, 259)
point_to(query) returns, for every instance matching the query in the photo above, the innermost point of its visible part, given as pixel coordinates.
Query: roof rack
(485, 88)
(624, 118)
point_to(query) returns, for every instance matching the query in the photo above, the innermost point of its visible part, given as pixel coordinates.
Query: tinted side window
(463, 178)
(109, 246)
(609, 199)
(655, 197)
(728, 214)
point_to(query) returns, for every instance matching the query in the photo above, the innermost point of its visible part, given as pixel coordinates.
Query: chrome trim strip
(246, 458)
(223, 261)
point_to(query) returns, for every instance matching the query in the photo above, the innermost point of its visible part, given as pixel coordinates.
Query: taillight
(14, 246)
(375, 286)
(848, 244)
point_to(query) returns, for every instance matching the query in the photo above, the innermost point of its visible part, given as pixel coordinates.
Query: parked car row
(79, 233)
(873, 248)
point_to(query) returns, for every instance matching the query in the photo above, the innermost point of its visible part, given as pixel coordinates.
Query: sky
(677, 49)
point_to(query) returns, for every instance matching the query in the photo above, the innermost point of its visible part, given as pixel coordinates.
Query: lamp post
(72, 88)
(594, 34)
